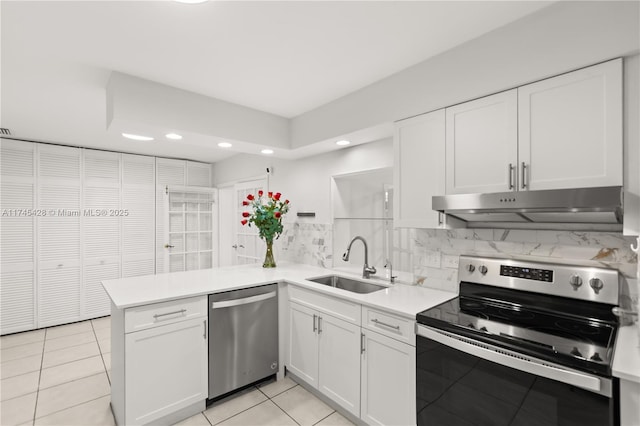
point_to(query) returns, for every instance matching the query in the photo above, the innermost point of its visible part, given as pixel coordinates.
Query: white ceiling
(285, 58)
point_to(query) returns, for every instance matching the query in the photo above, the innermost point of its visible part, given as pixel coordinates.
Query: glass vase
(269, 261)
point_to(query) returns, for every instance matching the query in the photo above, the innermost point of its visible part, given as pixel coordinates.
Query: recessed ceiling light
(267, 151)
(343, 142)
(137, 137)
(225, 145)
(191, 1)
(173, 136)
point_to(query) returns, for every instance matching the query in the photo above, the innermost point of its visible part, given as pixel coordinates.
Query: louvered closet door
(59, 260)
(101, 240)
(168, 173)
(17, 224)
(198, 174)
(138, 226)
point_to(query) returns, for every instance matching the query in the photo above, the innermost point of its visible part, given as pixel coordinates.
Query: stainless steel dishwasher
(243, 338)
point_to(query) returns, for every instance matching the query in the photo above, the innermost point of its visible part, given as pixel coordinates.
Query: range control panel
(527, 273)
(573, 281)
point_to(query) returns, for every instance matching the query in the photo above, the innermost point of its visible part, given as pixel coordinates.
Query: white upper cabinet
(482, 144)
(419, 170)
(570, 129)
(562, 132)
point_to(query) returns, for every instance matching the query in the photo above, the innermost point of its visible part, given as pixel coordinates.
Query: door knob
(168, 246)
(235, 246)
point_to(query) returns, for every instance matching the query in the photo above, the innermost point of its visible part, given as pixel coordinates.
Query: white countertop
(401, 299)
(626, 358)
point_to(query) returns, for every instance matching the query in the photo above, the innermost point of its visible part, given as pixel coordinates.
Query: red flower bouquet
(266, 215)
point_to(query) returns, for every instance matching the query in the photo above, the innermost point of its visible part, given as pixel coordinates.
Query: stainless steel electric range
(523, 344)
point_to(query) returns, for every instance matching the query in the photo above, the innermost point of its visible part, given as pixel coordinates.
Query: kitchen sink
(347, 284)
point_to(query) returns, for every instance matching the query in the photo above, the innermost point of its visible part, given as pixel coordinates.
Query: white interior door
(226, 232)
(189, 232)
(248, 246)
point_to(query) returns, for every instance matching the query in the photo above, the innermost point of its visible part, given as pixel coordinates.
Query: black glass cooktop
(574, 333)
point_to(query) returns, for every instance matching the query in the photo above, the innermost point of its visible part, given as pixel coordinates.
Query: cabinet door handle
(361, 343)
(378, 322)
(315, 328)
(510, 171)
(205, 329)
(440, 218)
(181, 311)
(319, 324)
(524, 175)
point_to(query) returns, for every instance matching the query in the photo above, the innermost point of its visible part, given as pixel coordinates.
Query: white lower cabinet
(165, 362)
(339, 362)
(371, 374)
(388, 381)
(325, 352)
(303, 343)
(629, 397)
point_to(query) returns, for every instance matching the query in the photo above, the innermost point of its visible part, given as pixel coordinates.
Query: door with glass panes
(189, 234)
(248, 247)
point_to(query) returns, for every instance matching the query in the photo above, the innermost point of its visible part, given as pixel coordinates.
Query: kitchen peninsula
(161, 321)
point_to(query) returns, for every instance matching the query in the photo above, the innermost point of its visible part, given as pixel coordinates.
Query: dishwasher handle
(243, 301)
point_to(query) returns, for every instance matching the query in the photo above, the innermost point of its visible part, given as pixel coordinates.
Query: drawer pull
(181, 312)
(395, 327)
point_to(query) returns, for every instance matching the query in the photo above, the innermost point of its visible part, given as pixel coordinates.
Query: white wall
(565, 36)
(306, 182)
(135, 104)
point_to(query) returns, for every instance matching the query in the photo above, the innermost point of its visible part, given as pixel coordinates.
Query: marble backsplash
(435, 252)
(308, 243)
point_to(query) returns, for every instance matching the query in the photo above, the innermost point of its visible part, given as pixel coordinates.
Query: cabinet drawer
(389, 325)
(148, 316)
(339, 308)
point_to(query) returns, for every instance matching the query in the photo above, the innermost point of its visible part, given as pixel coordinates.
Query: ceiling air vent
(5, 132)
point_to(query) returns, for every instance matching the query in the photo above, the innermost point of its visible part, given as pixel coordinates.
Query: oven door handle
(513, 359)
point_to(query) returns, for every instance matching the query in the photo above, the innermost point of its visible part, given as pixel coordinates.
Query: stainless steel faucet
(392, 278)
(366, 270)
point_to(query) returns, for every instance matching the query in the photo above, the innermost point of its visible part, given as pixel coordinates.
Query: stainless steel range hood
(601, 207)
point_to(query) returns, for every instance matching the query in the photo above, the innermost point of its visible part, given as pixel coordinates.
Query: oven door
(467, 383)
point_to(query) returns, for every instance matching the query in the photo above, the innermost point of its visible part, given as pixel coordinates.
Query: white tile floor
(60, 376)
